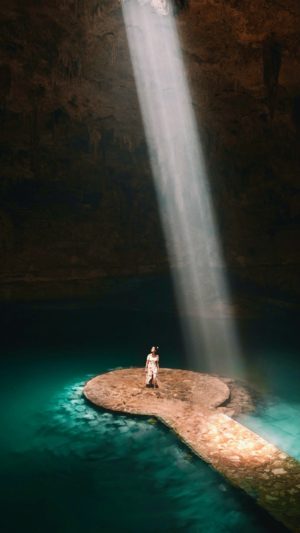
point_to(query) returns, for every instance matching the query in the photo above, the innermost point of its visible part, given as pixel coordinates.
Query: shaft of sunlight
(182, 188)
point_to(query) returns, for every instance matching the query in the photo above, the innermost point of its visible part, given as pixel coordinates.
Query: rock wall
(77, 197)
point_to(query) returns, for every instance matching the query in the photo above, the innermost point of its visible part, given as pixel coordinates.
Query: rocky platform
(198, 407)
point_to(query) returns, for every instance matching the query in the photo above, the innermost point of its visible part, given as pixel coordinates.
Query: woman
(152, 366)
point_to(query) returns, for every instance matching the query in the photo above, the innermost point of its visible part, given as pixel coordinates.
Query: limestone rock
(77, 197)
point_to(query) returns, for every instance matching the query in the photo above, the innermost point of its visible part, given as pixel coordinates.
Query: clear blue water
(279, 422)
(273, 358)
(67, 467)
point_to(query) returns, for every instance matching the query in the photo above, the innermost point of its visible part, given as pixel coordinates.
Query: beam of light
(181, 184)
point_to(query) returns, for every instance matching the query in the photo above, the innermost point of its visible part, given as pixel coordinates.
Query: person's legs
(149, 378)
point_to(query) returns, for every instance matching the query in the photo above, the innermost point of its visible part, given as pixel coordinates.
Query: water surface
(68, 467)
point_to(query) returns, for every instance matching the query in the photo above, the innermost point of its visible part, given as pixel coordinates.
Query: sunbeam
(182, 186)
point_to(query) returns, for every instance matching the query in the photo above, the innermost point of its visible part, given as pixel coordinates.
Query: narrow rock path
(191, 405)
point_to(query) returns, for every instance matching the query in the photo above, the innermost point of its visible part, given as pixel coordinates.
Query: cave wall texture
(77, 197)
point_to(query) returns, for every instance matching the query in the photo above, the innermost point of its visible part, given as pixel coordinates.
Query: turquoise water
(278, 422)
(274, 371)
(67, 467)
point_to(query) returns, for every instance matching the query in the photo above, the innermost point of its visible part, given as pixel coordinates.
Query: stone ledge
(124, 390)
(190, 404)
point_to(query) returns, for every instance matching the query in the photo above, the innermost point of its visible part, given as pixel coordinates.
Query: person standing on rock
(152, 366)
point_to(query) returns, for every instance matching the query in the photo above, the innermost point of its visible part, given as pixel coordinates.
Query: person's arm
(146, 365)
(157, 361)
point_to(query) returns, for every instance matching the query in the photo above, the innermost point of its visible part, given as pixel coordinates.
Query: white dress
(152, 367)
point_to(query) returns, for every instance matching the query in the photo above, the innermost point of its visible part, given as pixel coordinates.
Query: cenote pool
(66, 467)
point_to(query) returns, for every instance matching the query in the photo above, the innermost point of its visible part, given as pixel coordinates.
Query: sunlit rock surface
(198, 408)
(125, 390)
(77, 199)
